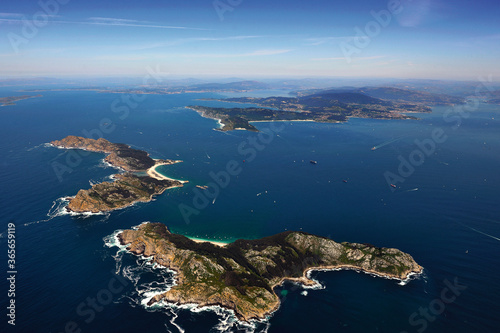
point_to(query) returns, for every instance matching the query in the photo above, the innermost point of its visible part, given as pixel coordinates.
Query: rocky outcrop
(125, 191)
(241, 276)
(120, 155)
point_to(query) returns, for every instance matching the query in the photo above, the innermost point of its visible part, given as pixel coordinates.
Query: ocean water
(445, 214)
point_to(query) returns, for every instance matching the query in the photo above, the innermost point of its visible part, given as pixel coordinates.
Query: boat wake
(480, 232)
(383, 144)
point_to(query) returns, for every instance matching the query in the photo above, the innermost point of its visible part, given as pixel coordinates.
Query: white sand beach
(156, 175)
(199, 240)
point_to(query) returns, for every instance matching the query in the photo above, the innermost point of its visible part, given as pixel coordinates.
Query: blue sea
(445, 211)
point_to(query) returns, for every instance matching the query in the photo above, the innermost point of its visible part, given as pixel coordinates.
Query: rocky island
(323, 107)
(241, 276)
(127, 188)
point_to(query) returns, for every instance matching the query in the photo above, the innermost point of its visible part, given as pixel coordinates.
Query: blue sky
(440, 39)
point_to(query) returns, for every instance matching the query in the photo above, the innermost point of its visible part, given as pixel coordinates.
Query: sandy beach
(198, 240)
(156, 175)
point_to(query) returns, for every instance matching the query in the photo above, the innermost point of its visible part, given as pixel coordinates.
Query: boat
(393, 185)
(202, 187)
(313, 162)
(374, 148)
(345, 181)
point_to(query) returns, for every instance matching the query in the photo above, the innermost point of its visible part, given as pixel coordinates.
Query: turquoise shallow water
(445, 213)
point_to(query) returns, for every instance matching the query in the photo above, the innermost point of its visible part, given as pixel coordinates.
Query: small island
(11, 100)
(127, 188)
(241, 276)
(324, 107)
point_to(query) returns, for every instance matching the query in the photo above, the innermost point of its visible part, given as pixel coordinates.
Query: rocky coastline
(242, 275)
(127, 188)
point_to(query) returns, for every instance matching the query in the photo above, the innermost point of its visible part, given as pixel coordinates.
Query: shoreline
(151, 172)
(201, 240)
(201, 113)
(281, 120)
(306, 281)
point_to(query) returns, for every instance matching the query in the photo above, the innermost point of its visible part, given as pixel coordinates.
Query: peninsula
(241, 276)
(11, 100)
(324, 107)
(127, 188)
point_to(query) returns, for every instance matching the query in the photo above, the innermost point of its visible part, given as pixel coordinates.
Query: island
(4, 101)
(241, 276)
(324, 107)
(127, 188)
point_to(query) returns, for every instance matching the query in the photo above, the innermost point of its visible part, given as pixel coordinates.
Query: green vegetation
(326, 107)
(126, 190)
(242, 275)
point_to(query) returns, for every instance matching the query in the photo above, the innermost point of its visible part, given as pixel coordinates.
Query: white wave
(402, 282)
(113, 240)
(145, 291)
(110, 178)
(411, 276)
(38, 146)
(105, 164)
(304, 293)
(58, 208)
(175, 315)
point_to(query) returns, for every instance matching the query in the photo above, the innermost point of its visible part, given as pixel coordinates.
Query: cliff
(120, 155)
(125, 191)
(241, 276)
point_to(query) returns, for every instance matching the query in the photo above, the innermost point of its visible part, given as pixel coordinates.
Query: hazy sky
(445, 39)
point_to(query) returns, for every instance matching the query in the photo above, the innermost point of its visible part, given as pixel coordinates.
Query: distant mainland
(11, 100)
(326, 106)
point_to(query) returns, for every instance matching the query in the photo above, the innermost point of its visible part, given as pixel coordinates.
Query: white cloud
(324, 40)
(112, 20)
(103, 21)
(414, 12)
(11, 15)
(257, 53)
(191, 39)
(343, 58)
